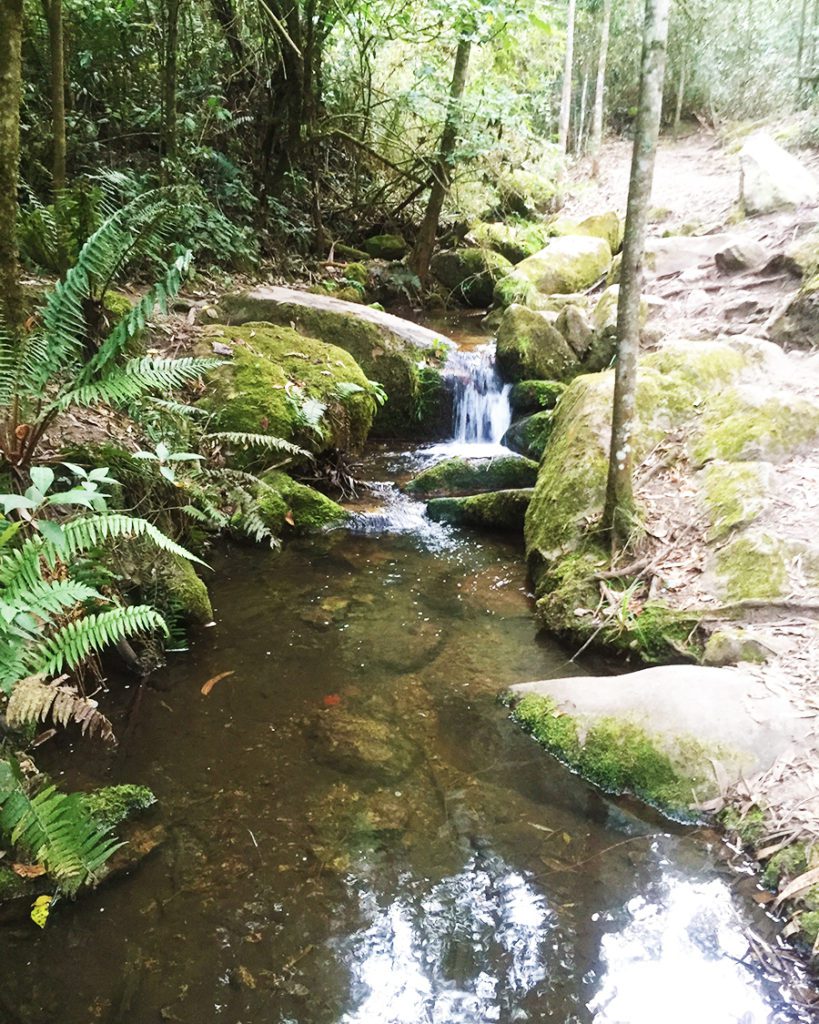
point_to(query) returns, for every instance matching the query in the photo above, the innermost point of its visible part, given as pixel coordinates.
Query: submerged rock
(530, 346)
(771, 178)
(357, 744)
(497, 510)
(570, 263)
(470, 274)
(280, 382)
(530, 435)
(457, 477)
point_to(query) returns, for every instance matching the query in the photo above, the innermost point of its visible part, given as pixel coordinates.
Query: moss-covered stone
(798, 325)
(385, 247)
(513, 239)
(535, 395)
(734, 494)
(459, 477)
(607, 226)
(497, 510)
(414, 409)
(283, 383)
(167, 581)
(752, 424)
(529, 346)
(570, 263)
(470, 274)
(574, 325)
(283, 503)
(731, 646)
(754, 566)
(357, 272)
(604, 316)
(112, 805)
(530, 435)
(619, 756)
(527, 193)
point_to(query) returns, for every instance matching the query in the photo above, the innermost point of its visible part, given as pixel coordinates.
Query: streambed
(356, 834)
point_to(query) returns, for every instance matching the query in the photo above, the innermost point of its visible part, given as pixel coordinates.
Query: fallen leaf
(28, 870)
(209, 685)
(40, 909)
(288, 517)
(331, 700)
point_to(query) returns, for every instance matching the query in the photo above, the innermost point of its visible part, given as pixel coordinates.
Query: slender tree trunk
(53, 10)
(800, 52)
(425, 243)
(619, 513)
(680, 97)
(581, 125)
(170, 103)
(600, 89)
(566, 98)
(11, 35)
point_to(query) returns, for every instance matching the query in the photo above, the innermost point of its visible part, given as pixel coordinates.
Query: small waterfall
(481, 413)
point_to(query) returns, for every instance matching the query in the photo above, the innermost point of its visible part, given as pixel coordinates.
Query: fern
(136, 378)
(33, 700)
(268, 441)
(54, 829)
(71, 645)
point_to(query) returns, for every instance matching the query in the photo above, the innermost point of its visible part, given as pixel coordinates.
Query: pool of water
(356, 834)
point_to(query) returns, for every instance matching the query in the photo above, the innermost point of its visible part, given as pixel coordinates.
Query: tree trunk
(11, 35)
(566, 98)
(600, 89)
(53, 10)
(680, 97)
(170, 116)
(619, 513)
(425, 243)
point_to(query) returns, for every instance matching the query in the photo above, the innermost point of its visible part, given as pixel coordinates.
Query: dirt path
(695, 195)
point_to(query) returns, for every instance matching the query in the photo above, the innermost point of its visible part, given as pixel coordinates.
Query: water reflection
(466, 951)
(686, 943)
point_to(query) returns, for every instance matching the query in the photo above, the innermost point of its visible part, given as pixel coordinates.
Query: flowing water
(354, 833)
(481, 399)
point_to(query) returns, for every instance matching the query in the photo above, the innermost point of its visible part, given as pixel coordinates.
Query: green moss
(809, 927)
(470, 274)
(184, 591)
(513, 239)
(786, 864)
(167, 581)
(530, 347)
(738, 426)
(535, 395)
(116, 305)
(526, 193)
(283, 383)
(568, 264)
(473, 476)
(356, 272)
(735, 494)
(530, 435)
(754, 567)
(497, 510)
(112, 805)
(515, 289)
(385, 247)
(749, 826)
(12, 887)
(619, 756)
(280, 498)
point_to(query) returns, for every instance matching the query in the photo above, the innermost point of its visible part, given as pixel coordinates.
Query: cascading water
(481, 413)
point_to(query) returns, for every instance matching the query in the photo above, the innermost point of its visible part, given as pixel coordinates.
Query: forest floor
(696, 192)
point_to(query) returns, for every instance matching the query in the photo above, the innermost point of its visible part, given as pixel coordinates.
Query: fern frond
(267, 441)
(136, 378)
(49, 597)
(72, 644)
(32, 700)
(55, 830)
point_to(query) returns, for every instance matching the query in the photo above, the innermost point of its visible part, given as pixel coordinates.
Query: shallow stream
(356, 834)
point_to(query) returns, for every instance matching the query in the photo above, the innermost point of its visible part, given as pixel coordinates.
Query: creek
(354, 831)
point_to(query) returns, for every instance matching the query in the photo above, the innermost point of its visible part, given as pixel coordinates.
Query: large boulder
(797, 325)
(771, 178)
(280, 382)
(529, 346)
(513, 239)
(524, 192)
(470, 274)
(535, 395)
(399, 355)
(385, 247)
(530, 435)
(608, 226)
(283, 504)
(497, 510)
(802, 255)
(570, 263)
(457, 477)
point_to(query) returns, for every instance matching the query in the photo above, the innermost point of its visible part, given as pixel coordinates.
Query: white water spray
(481, 412)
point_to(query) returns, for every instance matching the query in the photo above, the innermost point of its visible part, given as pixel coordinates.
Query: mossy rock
(798, 326)
(167, 581)
(280, 382)
(570, 263)
(729, 646)
(754, 566)
(470, 274)
(527, 193)
(530, 435)
(112, 805)
(385, 247)
(458, 477)
(530, 347)
(802, 255)
(497, 510)
(282, 503)
(621, 756)
(513, 239)
(734, 494)
(752, 424)
(418, 403)
(529, 396)
(607, 226)
(360, 745)
(575, 327)
(604, 316)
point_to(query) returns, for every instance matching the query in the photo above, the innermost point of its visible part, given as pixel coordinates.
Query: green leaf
(12, 502)
(42, 477)
(52, 532)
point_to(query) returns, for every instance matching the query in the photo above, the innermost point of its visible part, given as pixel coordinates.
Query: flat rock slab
(722, 708)
(415, 334)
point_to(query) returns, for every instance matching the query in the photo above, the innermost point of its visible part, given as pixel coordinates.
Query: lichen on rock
(529, 396)
(568, 263)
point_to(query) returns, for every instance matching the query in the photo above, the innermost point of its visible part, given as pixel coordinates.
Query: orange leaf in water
(28, 870)
(209, 685)
(331, 700)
